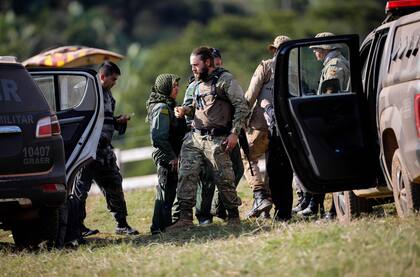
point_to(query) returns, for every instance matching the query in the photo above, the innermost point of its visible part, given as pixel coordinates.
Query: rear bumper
(21, 196)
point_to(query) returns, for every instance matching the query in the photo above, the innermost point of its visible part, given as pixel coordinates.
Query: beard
(204, 74)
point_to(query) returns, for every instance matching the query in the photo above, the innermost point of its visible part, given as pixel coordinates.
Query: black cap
(216, 53)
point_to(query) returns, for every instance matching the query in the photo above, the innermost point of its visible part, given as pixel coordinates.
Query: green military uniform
(166, 133)
(208, 203)
(214, 119)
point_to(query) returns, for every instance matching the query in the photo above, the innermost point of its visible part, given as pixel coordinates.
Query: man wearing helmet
(262, 138)
(335, 75)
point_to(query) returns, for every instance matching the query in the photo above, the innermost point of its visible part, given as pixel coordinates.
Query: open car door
(76, 97)
(324, 126)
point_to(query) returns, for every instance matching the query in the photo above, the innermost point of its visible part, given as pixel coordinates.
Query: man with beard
(208, 203)
(220, 111)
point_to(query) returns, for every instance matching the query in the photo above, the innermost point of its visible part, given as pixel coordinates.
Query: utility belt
(215, 132)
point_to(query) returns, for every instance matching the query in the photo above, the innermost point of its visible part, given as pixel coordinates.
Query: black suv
(47, 132)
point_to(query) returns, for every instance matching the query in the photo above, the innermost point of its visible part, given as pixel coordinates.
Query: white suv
(362, 142)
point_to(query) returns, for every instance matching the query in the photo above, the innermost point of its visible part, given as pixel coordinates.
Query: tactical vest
(213, 108)
(258, 119)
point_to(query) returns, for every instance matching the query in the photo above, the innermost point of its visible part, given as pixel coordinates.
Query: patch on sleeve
(331, 72)
(164, 111)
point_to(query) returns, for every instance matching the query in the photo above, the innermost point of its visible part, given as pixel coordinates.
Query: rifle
(243, 143)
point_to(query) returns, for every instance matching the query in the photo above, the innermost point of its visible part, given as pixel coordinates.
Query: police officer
(166, 134)
(335, 77)
(220, 111)
(104, 169)
(208, 203)
(257, 130)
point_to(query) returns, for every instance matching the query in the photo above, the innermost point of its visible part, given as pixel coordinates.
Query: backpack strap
(199, 98)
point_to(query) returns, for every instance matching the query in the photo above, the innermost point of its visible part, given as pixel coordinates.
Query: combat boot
(87, 232)
(317, 200)
(311, 210)
(265, 215)
(205, 221)
(331, 214)
(182, 223)
(124, 229)
(261, 204)
(233, 217)
(303, 204)
(185, 221)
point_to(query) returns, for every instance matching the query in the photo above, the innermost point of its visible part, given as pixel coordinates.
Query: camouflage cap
(325, 46)
(165, 82)
(279, 40)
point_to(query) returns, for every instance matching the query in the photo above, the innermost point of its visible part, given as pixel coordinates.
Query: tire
(348, 206)
(406, 193)
(26, 234)
(29, 234)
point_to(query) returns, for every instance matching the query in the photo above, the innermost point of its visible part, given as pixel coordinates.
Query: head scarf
(161, 90)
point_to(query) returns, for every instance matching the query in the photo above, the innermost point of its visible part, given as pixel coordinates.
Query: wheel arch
(390, 145)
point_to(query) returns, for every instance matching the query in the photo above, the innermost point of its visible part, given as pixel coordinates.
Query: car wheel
(49, 225)
(349, 206)
(29, 234)
(26, 234)
(406, 193)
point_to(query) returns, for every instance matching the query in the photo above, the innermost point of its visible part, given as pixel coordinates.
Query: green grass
(375, 245)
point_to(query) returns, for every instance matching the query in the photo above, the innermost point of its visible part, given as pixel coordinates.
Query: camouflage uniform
(335, 67)
(279, 170)
(104, 169)
(257, 131)
(166, 134)
(208, 203)
(214, 119)
(259, 138)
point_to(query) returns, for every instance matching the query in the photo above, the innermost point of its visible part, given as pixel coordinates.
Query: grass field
(375, 245)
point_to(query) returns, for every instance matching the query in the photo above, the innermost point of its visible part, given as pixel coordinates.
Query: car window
(377, 60)
(294, 73)
(72, 89)
(319, 69)
(46, 84)
(18, 92)
(364, 54)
